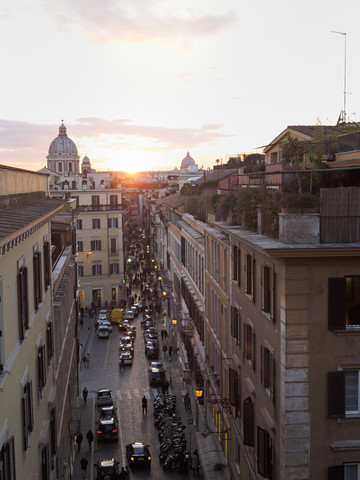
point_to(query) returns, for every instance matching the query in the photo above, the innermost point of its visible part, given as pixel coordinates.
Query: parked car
(134, 309)
(152, 353)
(157, 377)
(151, 344)
(138, 453)
(107, 470)
(108, 429)
(156, 364)
(104, 397)
(127, 357)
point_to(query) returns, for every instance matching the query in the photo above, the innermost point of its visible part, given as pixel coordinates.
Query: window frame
(95, 245)
(250, 344)
(96, 269)
(96, 223)
(7, 460)
(37, 280)
(27, 413)
(23, 301)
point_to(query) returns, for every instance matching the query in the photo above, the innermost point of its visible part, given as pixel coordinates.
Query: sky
(139, 83)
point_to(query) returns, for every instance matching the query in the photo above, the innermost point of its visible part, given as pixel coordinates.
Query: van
(116, 315)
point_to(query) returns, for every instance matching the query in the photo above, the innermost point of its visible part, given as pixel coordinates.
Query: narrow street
(128, 387)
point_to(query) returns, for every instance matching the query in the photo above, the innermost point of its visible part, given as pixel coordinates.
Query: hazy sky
(138, 83)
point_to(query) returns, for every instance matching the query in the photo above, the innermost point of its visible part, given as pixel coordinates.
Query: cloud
(113, 22)
(26, 145)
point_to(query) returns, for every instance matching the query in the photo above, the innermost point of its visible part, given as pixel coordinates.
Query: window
(265, 453)
(7, 460)
(248, 416)
(95, 200)
(237, 265)
(234, 390)
(249, 270)
(80, 246)
(23, 304)
(114, 268)
(249, 344)
(96, 269)
(50, 341)
(344, 303)
(113, 248)
(41, 368)
(344, 393)
(113, 199)
(80, 270)
(96, 223)
(47, 265)
(27, 413)
(268, 291)
(113, 223)
(45, 466)
(79, 224)
(236, 325)
(37, 279)
(268, 370)
(95, 245)
(347, 471)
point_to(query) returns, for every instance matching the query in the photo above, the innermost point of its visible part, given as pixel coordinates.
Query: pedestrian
(79, 439)
(122, 474)
(144, 404)
(187, 402)
(164, 350)
(83, 464)
(85, 394)
(195, 464)
(170, 350)
(166, 387)
(127, 471)
(165, 334)
(122, 364)
(90, 438)
(162, 334)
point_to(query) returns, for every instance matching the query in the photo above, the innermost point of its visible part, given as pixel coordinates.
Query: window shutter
(336, 303)
(261, 446)
(253, 280)
(262, 361)
(92, 245)
(25, 431)
(253, 350)
(248, 408)
(336, 394)
(20, 305)
(31, 406)
(262, 285)
(273, 389)
(273, 299)
(337, 472)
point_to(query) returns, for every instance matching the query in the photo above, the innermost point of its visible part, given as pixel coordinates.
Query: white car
(102, 332)
(105, 324)
(127, 357)
(129, 315)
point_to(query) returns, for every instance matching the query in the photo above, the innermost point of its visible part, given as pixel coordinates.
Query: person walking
(90, 438)
(85, 394)
(127, 471)
(83, 465)
(79, 439)
(122, 364)
(144, 404)
(122, 474)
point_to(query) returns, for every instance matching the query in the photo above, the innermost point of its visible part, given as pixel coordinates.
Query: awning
(211, 457)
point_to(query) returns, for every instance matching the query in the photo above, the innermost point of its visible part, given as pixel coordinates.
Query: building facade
(37, 260)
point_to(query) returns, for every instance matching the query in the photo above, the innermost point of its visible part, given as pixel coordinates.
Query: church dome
(62, 144)
(187, 161)
(86, 160)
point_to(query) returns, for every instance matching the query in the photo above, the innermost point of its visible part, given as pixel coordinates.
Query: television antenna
(342, 116)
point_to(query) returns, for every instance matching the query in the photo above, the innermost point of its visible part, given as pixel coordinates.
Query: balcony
(100, 208)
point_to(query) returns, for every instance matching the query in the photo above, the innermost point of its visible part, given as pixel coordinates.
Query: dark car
(104, 397)
(107, 470)
(152, 353)
(138, 454)
(108, 429)
(107, 412)
(157, 377)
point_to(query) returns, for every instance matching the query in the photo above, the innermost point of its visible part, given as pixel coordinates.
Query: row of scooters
(173, 453)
